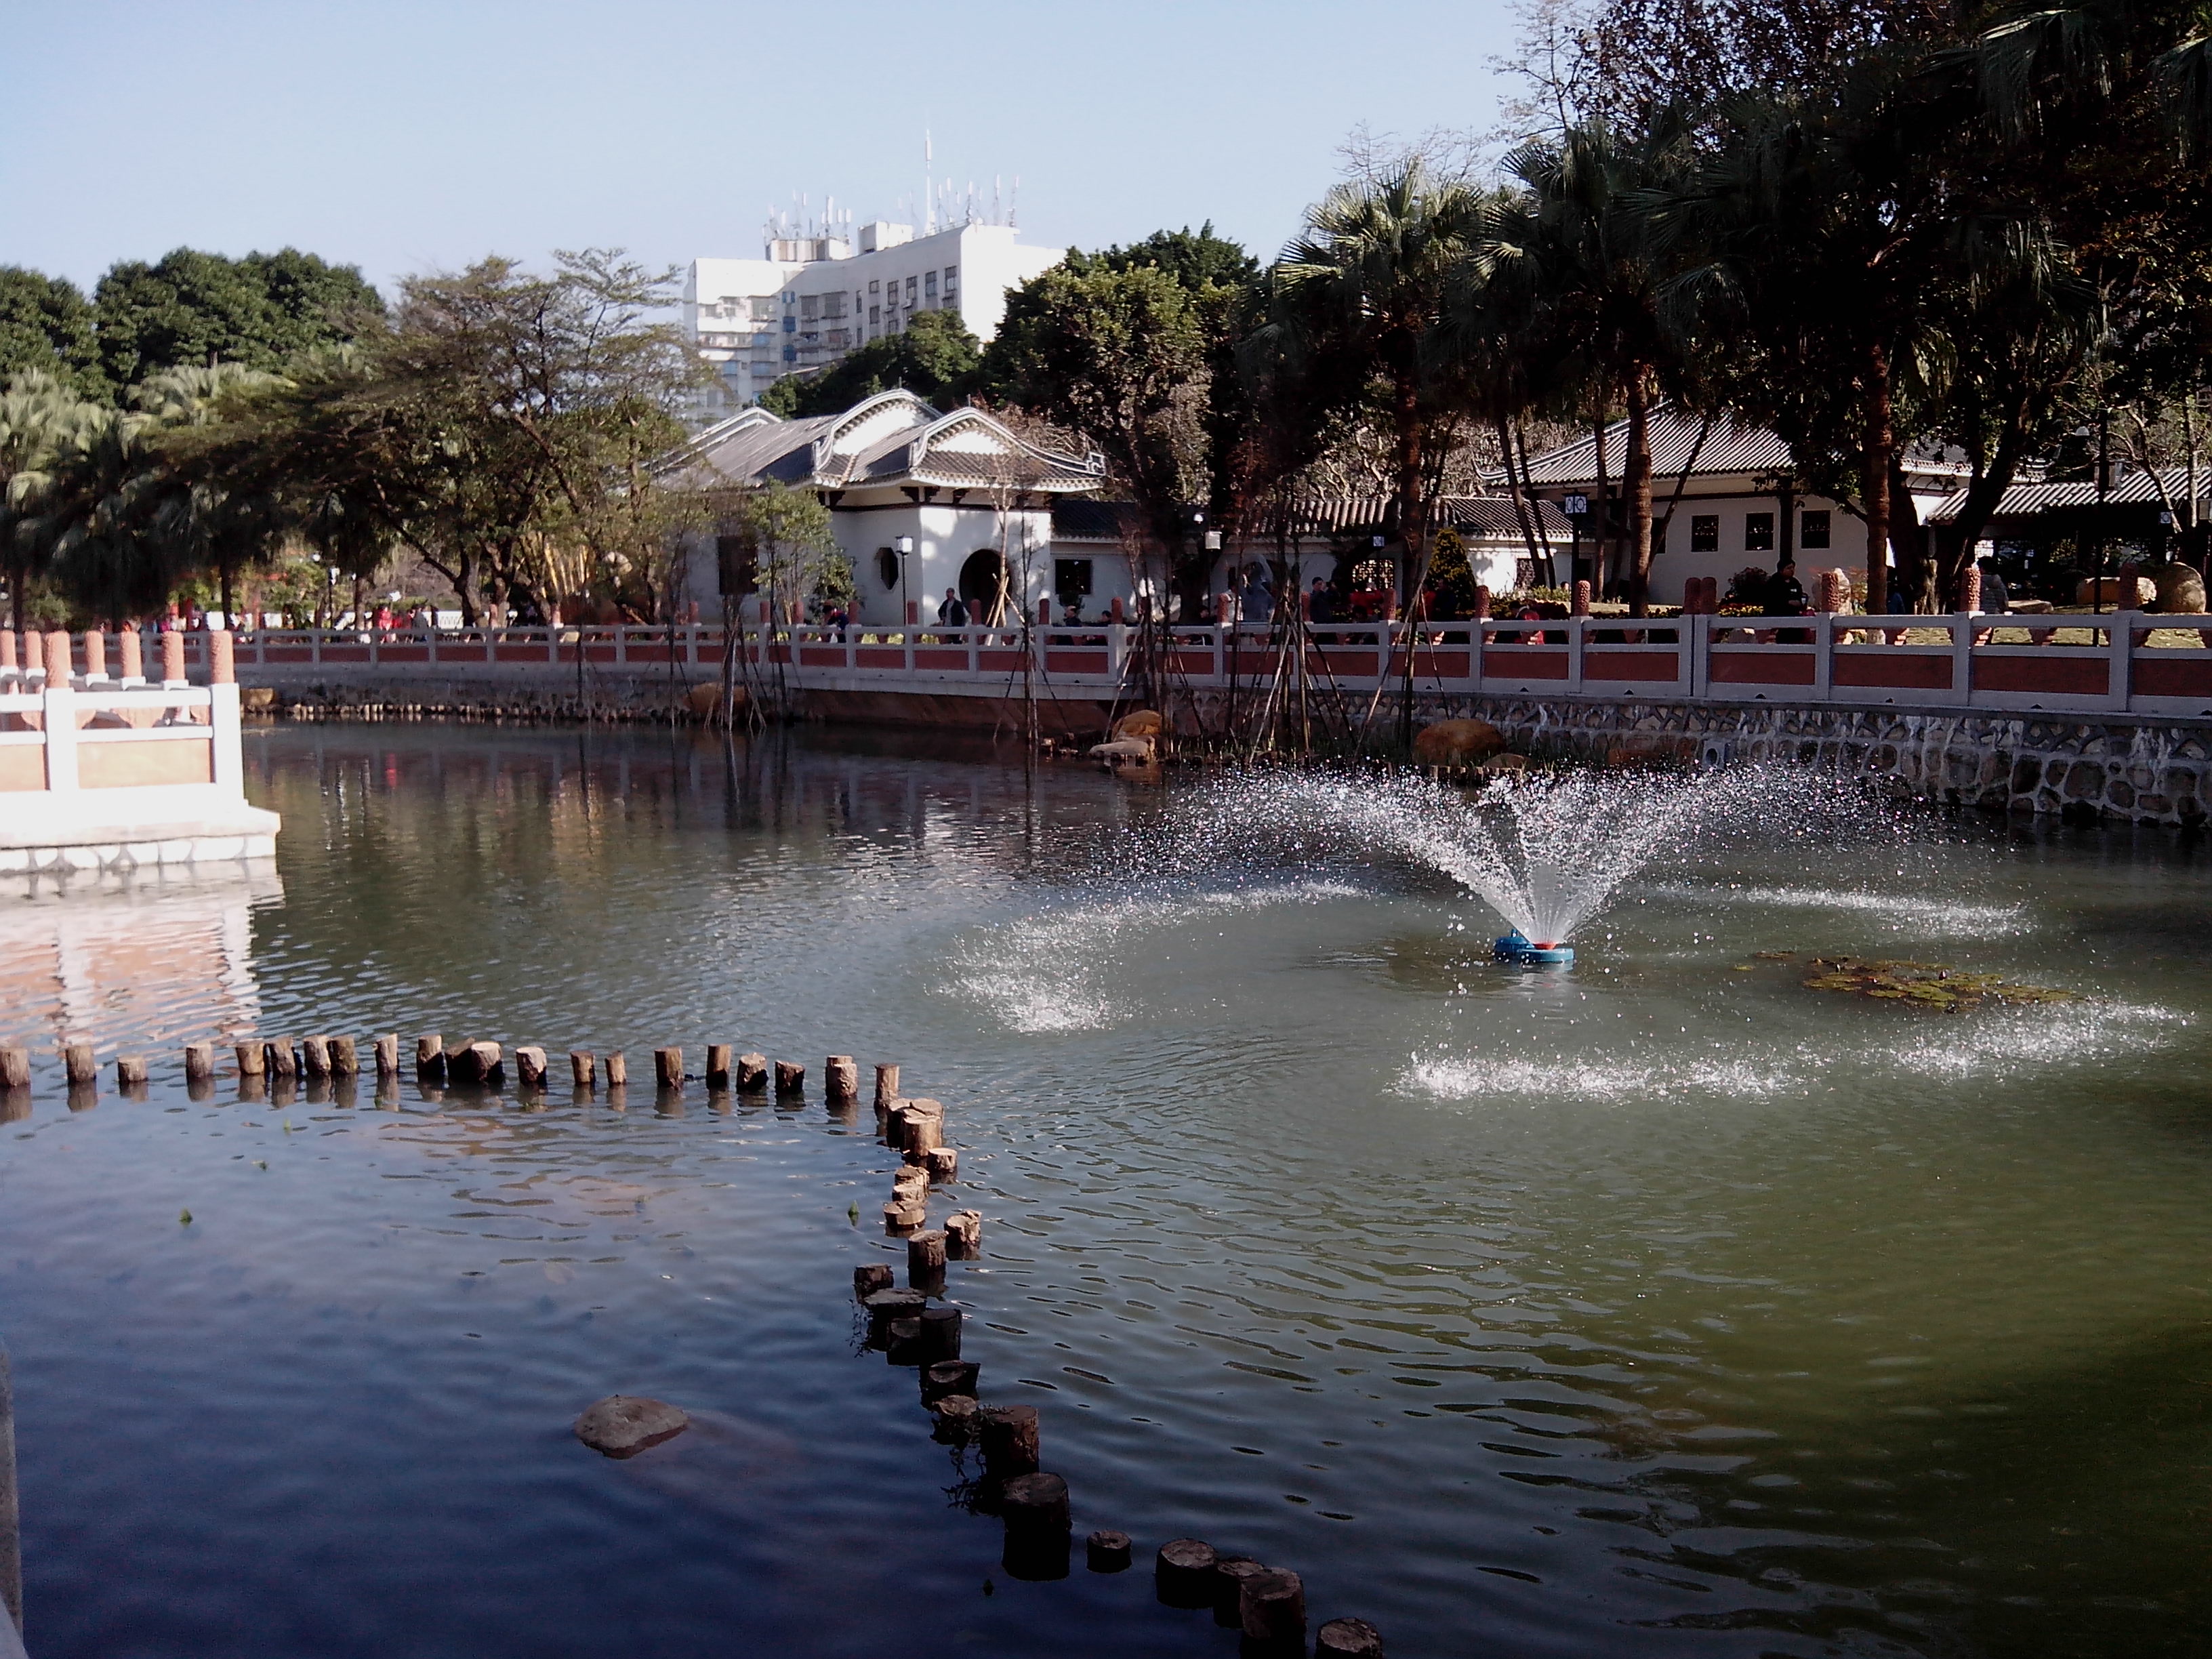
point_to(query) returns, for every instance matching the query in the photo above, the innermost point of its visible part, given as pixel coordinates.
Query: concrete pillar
(131, 666)
(34, 655)
(58, 663)
(173, 659)
(1970, 590)
(6, 651)
(95, 654)
(222, 665)
(1582, 607)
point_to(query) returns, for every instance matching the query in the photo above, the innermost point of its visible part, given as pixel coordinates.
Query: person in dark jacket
(1785, 596)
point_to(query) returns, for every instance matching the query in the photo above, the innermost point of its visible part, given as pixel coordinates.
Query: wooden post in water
(944, 1163)
(752, 1072)
(925, 1259)
(940, 1332)
(583, 1067)
(199, 1061)
(79, 1064)
(868, 1280)
(1348, 1638)
(430, 1056)
(617, 1070)
(717, 1066)
(281, 1056)
(1010, 1441)
(1107, 1552)
(1274, 1607)
(130, 1071)
(841, 1079)
(1034, 1506)
(668, 1067)
(887, 1086)
(790, 1077)
(942, 1377)
(252, 1059)
(345, 1057)
(387, 1056)
(1183, 1573)
(315, 1055)
(964, 1235)
(14, 1066)
(529, 1067)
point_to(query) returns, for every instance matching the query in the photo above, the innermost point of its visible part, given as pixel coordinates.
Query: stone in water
(624, 1425)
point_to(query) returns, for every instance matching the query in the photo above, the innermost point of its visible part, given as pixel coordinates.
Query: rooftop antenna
(928, 169)
(1013, 201)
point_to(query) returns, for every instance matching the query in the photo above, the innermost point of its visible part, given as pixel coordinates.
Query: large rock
(1143, 723)
(1456, 743)
(624, 1425)
(2180, 590)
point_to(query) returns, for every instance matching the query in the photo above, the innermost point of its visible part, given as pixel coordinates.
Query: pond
(1663, 1306)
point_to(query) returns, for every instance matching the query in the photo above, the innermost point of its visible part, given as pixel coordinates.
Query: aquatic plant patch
(1926, 984)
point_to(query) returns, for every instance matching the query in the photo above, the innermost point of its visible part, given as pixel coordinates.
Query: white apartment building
(813, 299)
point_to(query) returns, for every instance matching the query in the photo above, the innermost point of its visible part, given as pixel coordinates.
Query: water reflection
(1660, 1307)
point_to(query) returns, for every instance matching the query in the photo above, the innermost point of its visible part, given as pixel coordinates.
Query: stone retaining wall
(2138, 767)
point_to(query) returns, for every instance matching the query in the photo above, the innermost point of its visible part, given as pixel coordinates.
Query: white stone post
(229, 751)
(60, 708)
(2119, 681)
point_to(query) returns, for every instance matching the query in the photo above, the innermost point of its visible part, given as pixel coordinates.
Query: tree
(1369, 285)
(39, 418)
(47, 325)
(933, 357)
(1197, 260)
(193, 310)
(1124, 359)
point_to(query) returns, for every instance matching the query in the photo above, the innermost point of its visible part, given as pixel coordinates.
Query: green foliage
(796, 560)
(934, 357)
(1197, 259)
(1125, 358)
(1451, 577)
(47, 325)
(194, 309)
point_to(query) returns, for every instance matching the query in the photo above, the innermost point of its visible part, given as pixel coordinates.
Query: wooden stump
(717, 1066)
(14, 1066)
(867, 1280)
(955, 1415)
(900, 1220)
(345, 1057)
(944, 1163)
(1107, 1552)
(583, 1066)
(1348, 1638)
(1274, 1605)
(130, 1071)
(79, 1064)
(252, 1060)
(790, 1077)
(887, 1085)
(1229, 1572)
(617, 1070)
(1182, 1573)
(925, 1256)
(282, 1058)
(924, 1135)
(1035, 1503)
(668, 1068)
(884, 1307)
(315, 1056)
(430, 1056)
(529, 1067)
(199, 1063)
(1010, 1441)
(942, 1377)
(963, 1236)
(940, 1334)
(482, 1064)
(902, 1342)
(752, 1072)
(387, 1054)
(841, 1079)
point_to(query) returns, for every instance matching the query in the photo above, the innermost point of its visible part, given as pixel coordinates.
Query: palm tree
(1592, 279)
(38, 417)
(1368, 284)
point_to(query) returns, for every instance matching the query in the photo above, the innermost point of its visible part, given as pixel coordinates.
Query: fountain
(1547, 851)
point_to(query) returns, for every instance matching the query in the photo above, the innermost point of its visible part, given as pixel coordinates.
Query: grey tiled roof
(1683, 442)
(2138, 488)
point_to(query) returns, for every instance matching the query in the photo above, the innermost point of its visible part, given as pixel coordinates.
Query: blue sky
(402, 136)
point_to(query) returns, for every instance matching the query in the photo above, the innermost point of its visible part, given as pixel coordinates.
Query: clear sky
(403, 134)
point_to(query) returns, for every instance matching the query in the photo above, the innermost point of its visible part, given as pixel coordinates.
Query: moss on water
(1926, 984)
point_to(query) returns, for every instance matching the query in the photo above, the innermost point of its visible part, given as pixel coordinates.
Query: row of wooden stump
(483, 1064)
(1267, 1605)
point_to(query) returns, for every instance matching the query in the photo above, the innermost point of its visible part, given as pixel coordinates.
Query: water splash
(1547, 851)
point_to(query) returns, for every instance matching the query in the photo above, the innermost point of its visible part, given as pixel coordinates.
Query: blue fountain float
(1517, 950)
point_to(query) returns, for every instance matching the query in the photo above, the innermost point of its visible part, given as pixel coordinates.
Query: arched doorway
(982, 585)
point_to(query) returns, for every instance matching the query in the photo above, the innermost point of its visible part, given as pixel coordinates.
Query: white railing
(60, 737)
(1842, 661)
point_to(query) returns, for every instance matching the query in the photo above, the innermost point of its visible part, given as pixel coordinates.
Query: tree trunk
(1522, 510)
(1636, 484)
(1881, 442)
(1412, 532)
